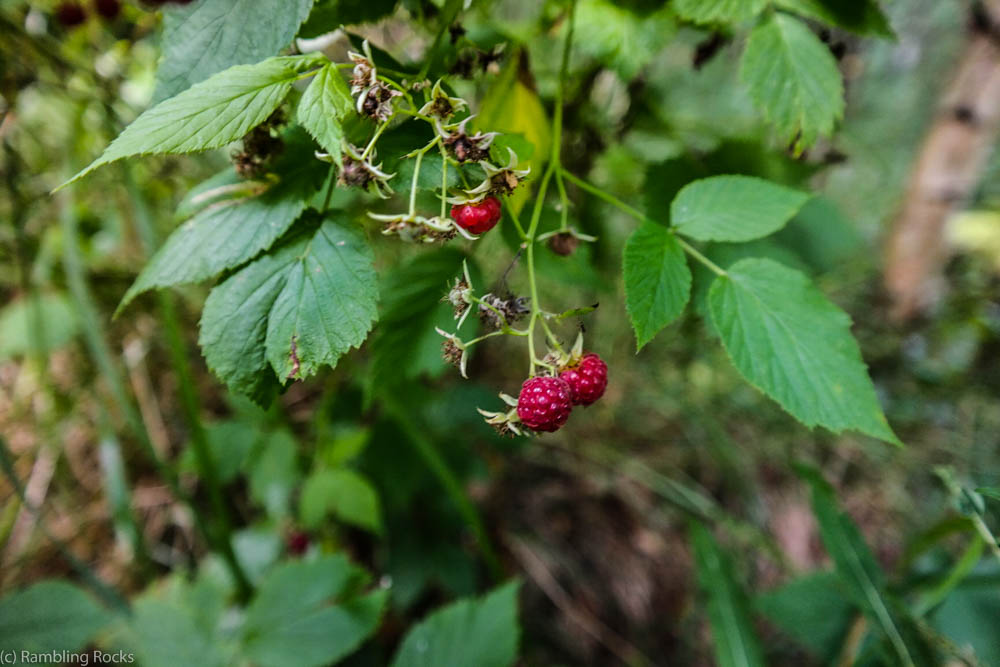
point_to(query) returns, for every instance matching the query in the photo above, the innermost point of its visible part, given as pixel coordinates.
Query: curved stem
(553, 168)
(371, 144)
(642, 217)
(413, 184)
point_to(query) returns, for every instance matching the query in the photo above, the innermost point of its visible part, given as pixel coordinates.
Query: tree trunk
(951, 162)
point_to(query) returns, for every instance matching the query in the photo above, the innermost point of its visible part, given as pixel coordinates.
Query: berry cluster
(545, 402)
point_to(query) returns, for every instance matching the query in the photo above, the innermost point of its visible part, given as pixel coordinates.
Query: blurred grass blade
(736, 645)
(96, 340)
(116, 488)
(970, 557)
(109, 595)
(859, 572)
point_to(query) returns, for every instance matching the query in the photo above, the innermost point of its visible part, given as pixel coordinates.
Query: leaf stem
(642, 217)
(691, 250)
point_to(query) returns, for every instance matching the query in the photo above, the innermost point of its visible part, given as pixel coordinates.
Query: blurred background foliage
(594, 519)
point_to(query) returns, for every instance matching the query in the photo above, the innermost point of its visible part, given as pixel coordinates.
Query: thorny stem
(642, 217)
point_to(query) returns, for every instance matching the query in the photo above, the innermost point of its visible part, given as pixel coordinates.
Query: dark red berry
(587, 379)
(298, 543)
(70, 14)
(544, 403)
(477, 218)
(109, 9)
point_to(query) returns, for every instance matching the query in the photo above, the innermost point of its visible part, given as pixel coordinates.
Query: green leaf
(325, 103)
(813, 610)
(718, 11)
(274, 473)
(733, 208)
(57, 324)
(968, 617)
(343, 493)
(789, 341)
(736, 645)
(165, 635)
(511, 107)
(49, 616)
(205, 38)
(468, 633)
(859, 573)
(864, 17)
(989, 491)
(621, 39)
(292, 621)
(210, 114)
(794, 80)
(292, 310)
(225, 235)
(301, 585)
(406, 344)
(328, 15)
(657, 280)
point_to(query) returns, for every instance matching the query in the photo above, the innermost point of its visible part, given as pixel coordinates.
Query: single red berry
(70, 14)
(297, 542)
(109, 9)
(477, 218)
(588, 379)
(544, 403)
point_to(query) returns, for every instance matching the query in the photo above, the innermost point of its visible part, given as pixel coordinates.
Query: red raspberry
(587, 379)
(70, 14)
(477, 218)
(297, 542)
(544, 403)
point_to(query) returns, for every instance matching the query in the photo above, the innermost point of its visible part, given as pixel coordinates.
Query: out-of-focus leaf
(968, 617)
(864, 17)
(733, 208)
(620, 38)
(274, 472)
(328, 15)
(718, 11)
(469, 633)
(657, 280)
(793, 79)
(292, 621)
(406, 344)
(820, 234)
(736, 644)
(204, 38)
(166, 635)
(510, 105)
(49, 616)
(343, 493)
(813, 610)
(19, 334)
(787, 339)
